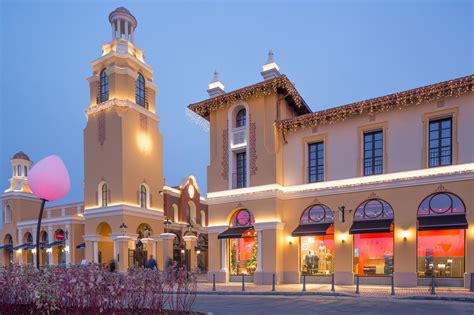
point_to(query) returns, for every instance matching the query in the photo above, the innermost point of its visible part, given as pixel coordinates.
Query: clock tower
(123, 155)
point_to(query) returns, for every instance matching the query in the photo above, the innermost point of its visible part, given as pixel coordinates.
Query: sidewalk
(370, 291)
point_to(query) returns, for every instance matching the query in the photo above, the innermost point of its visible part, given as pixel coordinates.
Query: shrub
(94, 289)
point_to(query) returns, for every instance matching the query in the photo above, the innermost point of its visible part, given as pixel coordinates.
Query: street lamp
(342, 213)
(167, 223)
(49, 181)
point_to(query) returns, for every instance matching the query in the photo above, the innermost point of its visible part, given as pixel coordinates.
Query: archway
(8, 253)
(441, 236)
(105, 244)
(139, 256)
(27, 254)
(44, 257)
(373, 238)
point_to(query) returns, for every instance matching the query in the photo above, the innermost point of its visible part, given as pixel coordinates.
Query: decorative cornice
(19, 195)
(70, 219)
(123, 209)
(369, 183)
(279, 85)
(124, 104)
(429, 93)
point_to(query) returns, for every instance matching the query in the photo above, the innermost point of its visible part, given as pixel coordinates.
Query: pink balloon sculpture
(49, 179)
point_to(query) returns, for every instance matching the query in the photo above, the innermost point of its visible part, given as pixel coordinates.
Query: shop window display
(373, 254)
(242, 244)
(441, 236)
(317, 255)
(373, 238)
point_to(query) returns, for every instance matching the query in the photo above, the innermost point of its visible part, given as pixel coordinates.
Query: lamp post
(167, 223)
(49, 181)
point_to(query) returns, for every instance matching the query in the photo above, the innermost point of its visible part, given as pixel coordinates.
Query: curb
(441, 298)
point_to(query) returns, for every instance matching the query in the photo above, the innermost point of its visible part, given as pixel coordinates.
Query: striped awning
(57, 243)
(234, 232)
(371, 226)
(311, 229)
(5, 246)
(20, 246)
(82, 245)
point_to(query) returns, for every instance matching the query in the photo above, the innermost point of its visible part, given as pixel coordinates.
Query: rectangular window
(441, 253)
(241, 168)
(316, 162)
(440, 142)
(373, 153)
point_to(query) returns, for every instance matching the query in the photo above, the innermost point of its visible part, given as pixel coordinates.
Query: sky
(335, 52)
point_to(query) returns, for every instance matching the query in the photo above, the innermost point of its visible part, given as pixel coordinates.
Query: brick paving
(372, 291)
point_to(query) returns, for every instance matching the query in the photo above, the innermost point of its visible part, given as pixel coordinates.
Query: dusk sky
(335, 52)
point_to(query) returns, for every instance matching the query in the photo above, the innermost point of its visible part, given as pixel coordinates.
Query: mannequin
(322, 251)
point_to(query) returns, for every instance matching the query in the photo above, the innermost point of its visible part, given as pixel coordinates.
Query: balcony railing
(239, 138)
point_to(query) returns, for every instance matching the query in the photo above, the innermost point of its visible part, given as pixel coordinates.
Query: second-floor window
(105, 195)
(140, 90)
(143, 196)
(241, 119)
(241, 170)
(440, 142)
(104, 87)
(373, 153)
(316, 162)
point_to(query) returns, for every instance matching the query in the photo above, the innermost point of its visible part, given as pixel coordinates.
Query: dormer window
(241, 119)
(104, 87)
(140, 90)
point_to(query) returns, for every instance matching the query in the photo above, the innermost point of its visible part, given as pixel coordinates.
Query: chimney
(270, 70)
(215, 88)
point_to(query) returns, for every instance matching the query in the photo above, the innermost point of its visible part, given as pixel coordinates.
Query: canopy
(5, 246)
(234, 232)
(54, 244)
(311, 229)
(442, 222)
(371, 226)
(82, 245)
(19, 246)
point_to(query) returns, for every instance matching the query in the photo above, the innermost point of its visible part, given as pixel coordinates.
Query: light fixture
(33, 251)
(405, 234)
(290, 240)
(198, 252)
(123, 227)
(343, 237)
(167, 223)
(182, 251)
(49, 250)
(66, 248)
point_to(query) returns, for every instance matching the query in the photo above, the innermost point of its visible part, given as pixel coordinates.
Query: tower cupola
(270, 70)
(21, 165)
(215, 88)
(123, 24)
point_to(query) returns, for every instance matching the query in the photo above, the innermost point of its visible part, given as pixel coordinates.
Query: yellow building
(376, 188)
(123, 216)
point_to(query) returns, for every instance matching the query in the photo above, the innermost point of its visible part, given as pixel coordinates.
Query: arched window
(143, 196)
(316, 240)
(441, 236)
(18, 170)
(175, 212)
(242, 243)
(104, 86)
(140, 90)
(318, 213)
(373, 209)
(105, 195)
(25, 171)
(373, 238)
(203, 218)
(242, 218)
(241, 118)
(8, 214)
(191, 212)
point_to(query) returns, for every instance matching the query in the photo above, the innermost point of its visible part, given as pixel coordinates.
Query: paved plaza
(316, 304)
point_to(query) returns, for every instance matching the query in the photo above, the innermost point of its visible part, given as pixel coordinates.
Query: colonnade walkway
(372, 291)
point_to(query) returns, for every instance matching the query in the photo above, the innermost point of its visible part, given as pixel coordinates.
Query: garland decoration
(429, 93)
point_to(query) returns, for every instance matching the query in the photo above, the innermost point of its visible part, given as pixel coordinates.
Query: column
(167, 240)
(119, 29)
(113, 30)
(96, 251)
(122, 244)
(150, 246)
(67, 244)
(224, 255)
(259, 251)
(190, 247)
(20, 252)
(33, 251)
(49, 251)
(126, 29)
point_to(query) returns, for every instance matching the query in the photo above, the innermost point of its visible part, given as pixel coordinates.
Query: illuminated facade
(377, 188)
(126, 204)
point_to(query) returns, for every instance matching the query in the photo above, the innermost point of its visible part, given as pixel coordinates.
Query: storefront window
(441, 236)
(373, 254)
(373, 238)
(243, 254)
(242, 243)
(441, 253)
(316, 234)
(317, 254)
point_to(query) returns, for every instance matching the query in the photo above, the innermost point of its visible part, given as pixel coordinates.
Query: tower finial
(270, 70)
(215, 88)
(123, 24)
